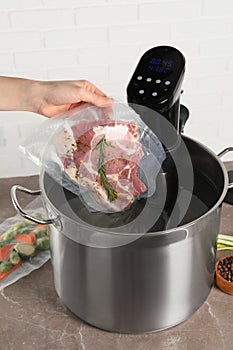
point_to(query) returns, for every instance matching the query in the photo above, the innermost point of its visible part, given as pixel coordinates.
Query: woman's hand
(48, 98)
(59, 96)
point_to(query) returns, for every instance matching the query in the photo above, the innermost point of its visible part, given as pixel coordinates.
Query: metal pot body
(151, 283)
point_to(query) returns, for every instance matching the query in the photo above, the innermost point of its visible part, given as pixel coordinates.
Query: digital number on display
(159, 65)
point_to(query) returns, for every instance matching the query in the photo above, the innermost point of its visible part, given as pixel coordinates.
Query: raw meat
(104, 159)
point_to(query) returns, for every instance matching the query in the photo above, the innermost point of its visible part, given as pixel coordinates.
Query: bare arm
(48, 98)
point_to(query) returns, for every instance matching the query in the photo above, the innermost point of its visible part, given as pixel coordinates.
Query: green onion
(224, 248)
(224, 242)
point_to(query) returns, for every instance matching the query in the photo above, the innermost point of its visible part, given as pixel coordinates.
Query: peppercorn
(225, 268)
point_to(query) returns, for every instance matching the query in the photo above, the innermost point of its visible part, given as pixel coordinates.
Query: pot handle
(223, 153)
(18, 208)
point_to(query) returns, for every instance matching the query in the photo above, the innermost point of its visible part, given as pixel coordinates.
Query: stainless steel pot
(153, 282)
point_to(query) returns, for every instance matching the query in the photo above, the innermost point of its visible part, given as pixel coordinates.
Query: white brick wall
(217, 8)
(47, 58)
(7, 61)
(102, 40)
(72, 3)
(76, 37)
(106, 15)
(17, 40)
(90, 72)
(217, 47)
(41, 19)
(201, 28)
(174, 10)
(20, 4)
(108, 55)
(4, 20)
(138, 33)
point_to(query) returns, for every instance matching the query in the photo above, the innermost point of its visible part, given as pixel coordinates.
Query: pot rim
(157, 233)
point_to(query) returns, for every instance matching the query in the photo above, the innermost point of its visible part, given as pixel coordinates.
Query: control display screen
(160, 65)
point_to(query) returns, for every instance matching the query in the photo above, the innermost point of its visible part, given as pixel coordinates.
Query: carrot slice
(33, 236)
(4, 274)
(24, 238)
(5, 251)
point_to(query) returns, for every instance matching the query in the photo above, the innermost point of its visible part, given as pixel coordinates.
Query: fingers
(90, 87)
(94, 98)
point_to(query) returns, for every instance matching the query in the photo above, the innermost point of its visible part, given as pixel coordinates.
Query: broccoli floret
(20, 225)
(14, 258)
(43, 243)
(5, 266)
(40, 233)
(9, 235)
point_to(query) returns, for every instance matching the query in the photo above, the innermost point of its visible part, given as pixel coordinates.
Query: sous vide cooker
(134, 282)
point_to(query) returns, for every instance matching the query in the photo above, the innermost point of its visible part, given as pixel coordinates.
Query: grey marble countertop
(32, 317)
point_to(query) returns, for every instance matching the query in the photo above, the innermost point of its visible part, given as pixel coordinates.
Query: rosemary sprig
(111, 192)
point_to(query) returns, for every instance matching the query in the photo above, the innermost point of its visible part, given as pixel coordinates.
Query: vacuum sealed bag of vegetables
(107, 155)
(24, 246)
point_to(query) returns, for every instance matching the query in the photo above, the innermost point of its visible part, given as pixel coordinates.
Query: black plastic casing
(156, 67)
(168, 64)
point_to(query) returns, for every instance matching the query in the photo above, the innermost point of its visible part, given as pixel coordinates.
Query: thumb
(96, 99)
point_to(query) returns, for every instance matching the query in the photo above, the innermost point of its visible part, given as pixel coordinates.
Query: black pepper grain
(225, 268)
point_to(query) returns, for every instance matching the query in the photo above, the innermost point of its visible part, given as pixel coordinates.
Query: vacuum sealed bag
(24, 246)
(105, 155)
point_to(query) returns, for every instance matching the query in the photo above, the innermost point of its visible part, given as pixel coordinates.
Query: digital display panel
(159, 65)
